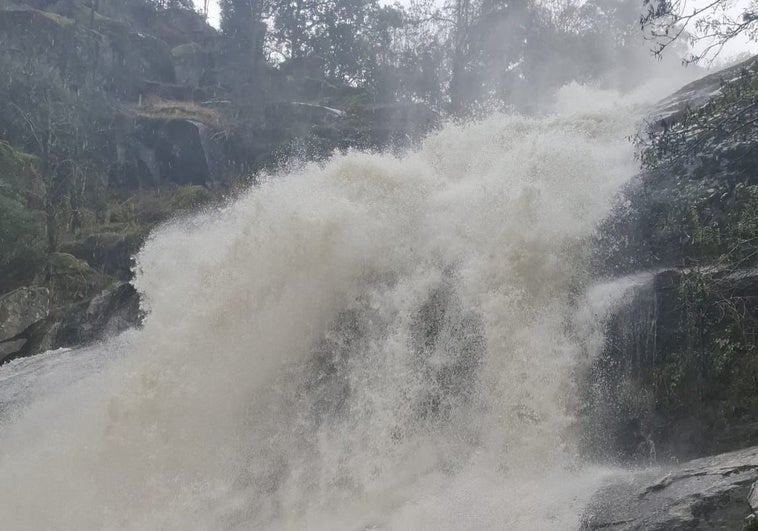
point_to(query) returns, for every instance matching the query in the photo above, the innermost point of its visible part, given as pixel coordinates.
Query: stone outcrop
(112, 311)
(29, 326)
(20, 310)
(719, 492)
(678, 378)
(698, 93)
(672, 383)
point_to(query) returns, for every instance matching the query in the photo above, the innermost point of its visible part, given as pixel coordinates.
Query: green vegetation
(700, 213)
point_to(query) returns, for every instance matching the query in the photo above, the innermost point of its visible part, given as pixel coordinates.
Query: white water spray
(378, 343)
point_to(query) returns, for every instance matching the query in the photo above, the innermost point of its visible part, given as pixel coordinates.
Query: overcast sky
(212, 11)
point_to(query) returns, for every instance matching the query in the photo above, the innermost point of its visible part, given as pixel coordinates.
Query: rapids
(377, 342)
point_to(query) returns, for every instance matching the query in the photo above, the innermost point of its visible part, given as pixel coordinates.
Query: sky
(212, 11)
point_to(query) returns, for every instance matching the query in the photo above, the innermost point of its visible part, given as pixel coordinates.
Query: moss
(22, 240)
(68, 263)
(190, 198)
(58, 19)
(16, 169)
(99, 22)
(12, 157)
(72, 279)
(185, 51)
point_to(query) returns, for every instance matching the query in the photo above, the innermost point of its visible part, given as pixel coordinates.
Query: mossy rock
(71, 279)
(108, 252)
(100, 22)
(120, 212)
(67, 263)
(16, 170)
(190, 197)
(38, 30)
(58, 19)
(187, 51)
(12, 159)
(22, 240)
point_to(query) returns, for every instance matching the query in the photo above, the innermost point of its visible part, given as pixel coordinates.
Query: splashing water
(376, 343)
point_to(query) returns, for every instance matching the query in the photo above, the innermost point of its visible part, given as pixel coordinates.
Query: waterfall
(376, 342)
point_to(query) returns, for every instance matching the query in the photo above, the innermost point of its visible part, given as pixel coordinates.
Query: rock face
(27, 326)
(20, 309)
(679, 375)
(174, 151)
(112, 311)
(698, 93)
(673, 383)
(711, 493)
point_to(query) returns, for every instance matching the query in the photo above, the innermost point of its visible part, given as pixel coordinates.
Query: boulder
(20, 309)
(9, 348)
(109, 252)
(710, 493)
(72, 279)
(112, 311)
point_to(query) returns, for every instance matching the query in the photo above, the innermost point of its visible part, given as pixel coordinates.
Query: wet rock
(753, 497)
(193, 64)
(20, 309)
(72, 279)
(112, 311)
(659, 392)
(9, 348)
(175, 150)
(109, 252)
(699, 92)
(709, 493)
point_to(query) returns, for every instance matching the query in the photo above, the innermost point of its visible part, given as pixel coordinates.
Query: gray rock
(628, 417)
(8, 348)
(112, 311)
(751, 522)
(698, 93)
(704, 494)
(20, 309)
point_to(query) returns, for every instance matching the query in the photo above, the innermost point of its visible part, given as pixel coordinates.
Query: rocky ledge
(719, 492)
(29, 324)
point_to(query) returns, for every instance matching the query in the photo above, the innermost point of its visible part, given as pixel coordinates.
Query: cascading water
(375, 343)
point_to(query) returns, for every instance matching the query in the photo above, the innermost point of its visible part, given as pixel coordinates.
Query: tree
(487, 39)
(351, 38)
(243, 30)
(713, 24)
(62, 122)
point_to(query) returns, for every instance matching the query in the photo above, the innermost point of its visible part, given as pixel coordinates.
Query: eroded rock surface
(705, 494)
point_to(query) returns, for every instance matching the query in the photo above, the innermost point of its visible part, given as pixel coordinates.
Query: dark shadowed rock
(20, 309)
(112, 311)
(176, 150)
(706, 494)
(9, 348)
(661, 392)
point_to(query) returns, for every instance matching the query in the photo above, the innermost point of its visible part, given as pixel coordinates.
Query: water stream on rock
(374, 343)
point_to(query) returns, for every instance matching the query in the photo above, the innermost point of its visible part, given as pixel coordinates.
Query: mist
(352, 265)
